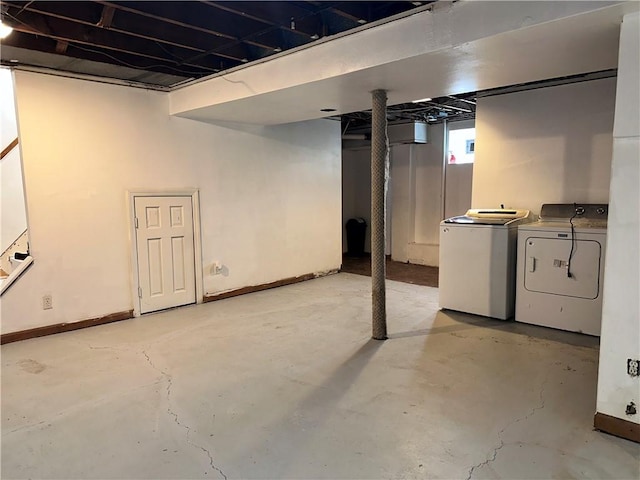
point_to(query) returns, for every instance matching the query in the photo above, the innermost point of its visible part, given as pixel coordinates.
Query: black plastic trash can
(356, 231)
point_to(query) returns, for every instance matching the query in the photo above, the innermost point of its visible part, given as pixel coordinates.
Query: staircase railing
(15, 259)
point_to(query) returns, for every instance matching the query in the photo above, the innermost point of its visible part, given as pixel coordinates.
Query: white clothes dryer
(477, 271)
(561, 268)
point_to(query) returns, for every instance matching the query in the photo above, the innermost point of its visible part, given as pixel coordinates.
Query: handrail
(6, 282)
(13, 244)
(8, 149)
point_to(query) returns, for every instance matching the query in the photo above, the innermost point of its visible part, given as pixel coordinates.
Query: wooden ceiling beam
(171, 21)
(155, 38)
(107, 16)
(61, 46)
(142, 13)
(75, 34)
(268, 21)
(358, 19)
(207, 35)
(44, 44)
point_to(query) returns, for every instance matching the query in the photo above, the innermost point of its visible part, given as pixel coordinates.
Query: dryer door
(546, 267)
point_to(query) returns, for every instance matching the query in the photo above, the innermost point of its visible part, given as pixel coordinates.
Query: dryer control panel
(590, 212)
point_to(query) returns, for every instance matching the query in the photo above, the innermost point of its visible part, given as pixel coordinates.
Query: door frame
(194, 193)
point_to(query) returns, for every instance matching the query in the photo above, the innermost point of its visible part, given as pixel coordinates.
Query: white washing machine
(561, 268)
(478, 260)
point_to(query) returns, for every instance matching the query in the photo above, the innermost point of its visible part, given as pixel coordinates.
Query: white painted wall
(270, 196)
(550, 145)
(458, 181)
(428, 187)
(418, 198)
(12, 204)
(458, 189)
(414, 199)
(620, 337)
(403, 193)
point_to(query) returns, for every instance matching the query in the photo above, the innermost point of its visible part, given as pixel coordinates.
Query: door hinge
(139, 292)
(135, 221)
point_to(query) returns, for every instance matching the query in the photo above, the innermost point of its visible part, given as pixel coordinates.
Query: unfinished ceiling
(165, 43)
(273, 62)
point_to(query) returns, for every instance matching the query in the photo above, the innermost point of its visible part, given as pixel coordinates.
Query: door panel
(177, 256)
(154, 263)
(166, 260)
(546, 267)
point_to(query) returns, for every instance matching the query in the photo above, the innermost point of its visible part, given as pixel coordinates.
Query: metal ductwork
(405, 132)
(408, 132)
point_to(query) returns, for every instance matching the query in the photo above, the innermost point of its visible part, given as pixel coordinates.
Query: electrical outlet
(633, 367)
(216, 268)
(47, 302)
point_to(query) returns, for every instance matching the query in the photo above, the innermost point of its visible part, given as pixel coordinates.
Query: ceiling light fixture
(5, 30)
(421, 100)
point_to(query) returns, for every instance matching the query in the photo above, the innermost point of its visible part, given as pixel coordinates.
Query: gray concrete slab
(287, 383)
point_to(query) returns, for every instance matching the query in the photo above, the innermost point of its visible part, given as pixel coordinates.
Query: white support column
(618, 389)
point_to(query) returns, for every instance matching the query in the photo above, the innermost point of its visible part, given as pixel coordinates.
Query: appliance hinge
(139, 292)
(135, 220)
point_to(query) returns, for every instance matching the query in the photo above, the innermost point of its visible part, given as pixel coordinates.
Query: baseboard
(265, 286)
(63, 327)
(617, 426)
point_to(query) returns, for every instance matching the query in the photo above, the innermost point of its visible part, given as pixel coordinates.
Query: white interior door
(164, 241)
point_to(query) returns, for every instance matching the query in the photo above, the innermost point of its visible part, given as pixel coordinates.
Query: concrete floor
(286, 383)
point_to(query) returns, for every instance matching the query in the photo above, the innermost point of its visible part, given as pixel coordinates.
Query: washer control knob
(601, 211)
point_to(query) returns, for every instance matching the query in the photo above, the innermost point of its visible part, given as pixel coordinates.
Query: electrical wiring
(573, 240)
(168, 52)
(116, 59)
(26, 5)
(143, 67)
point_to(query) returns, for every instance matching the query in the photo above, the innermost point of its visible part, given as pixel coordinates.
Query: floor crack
(101, 347)
(176, 419)
(488, 460)
(509, 425)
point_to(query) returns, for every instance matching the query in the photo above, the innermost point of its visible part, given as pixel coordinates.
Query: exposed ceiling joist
(61, 46)
(107, 16)
(191, 39)
(82, 35)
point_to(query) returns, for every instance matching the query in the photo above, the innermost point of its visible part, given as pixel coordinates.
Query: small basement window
(462, 145)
